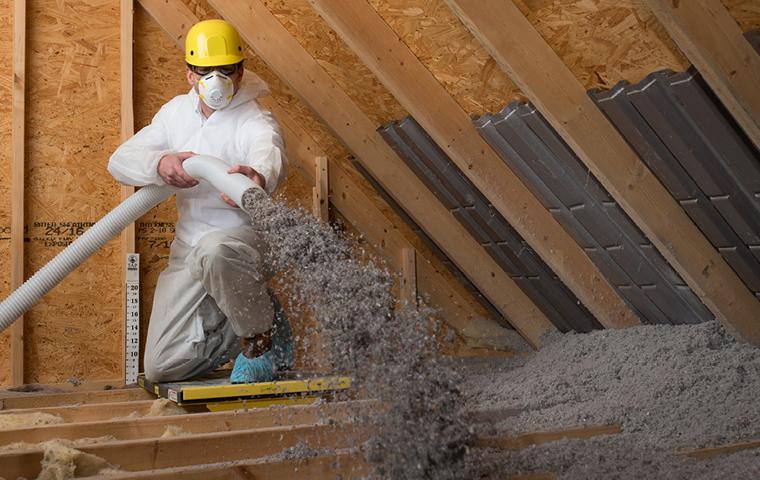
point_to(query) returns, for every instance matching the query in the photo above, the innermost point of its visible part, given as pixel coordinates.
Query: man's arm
(136, 161)
(265, 162)
(264, 150)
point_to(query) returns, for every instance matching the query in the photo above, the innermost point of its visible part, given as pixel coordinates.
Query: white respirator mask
(216, 90)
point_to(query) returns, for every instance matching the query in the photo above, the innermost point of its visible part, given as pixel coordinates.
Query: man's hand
(257, 178)
(171, 172)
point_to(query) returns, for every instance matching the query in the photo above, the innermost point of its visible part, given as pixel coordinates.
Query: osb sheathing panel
(6, 72)
(450, 52)
(604, 41)
(72, 126)
(746, 13)
(300, 19)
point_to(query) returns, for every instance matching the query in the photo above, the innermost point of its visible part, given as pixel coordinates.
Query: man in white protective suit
(211, 303)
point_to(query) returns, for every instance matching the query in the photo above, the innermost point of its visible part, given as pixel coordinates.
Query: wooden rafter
(713, 42)
(17, 183)
(282, 52)
(418, 91)
(293, 64)
(545, 79)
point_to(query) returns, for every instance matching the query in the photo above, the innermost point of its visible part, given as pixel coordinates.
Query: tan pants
(207, 297)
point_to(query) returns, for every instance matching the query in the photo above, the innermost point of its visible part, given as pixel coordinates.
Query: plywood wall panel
(72, 126)
(6, 72)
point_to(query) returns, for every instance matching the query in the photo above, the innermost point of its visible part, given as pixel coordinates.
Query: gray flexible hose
(24, 297)
(201, 167)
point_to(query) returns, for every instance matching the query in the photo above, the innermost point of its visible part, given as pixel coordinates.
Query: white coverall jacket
(214, 288)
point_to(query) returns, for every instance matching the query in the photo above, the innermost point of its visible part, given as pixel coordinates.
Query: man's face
(194, 74)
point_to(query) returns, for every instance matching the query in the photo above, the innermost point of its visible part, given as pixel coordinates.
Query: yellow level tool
(217, 393)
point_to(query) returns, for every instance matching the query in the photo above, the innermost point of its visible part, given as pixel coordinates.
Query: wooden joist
(154, 427)
(347, 118)
(710, 452)
(17, 184)
(409, 276)
(535, 476)
(492, 415)
(545, 79)
(287, 58)
(136, 455)
(537, 438)
(15, 401)
(418, 91)
(340, 465)
(711, 39)
(138, 444)
(91, 412)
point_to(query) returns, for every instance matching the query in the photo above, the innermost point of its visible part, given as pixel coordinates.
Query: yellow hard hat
(213, 42)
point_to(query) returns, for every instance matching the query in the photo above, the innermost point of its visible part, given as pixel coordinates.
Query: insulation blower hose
(200, 167)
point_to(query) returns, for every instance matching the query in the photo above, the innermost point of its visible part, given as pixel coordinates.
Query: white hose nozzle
(214, 171)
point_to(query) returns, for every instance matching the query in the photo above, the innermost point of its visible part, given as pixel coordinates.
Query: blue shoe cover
(253, 370)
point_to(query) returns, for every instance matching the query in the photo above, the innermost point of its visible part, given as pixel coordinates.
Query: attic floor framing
(276, 442)
(225, 444)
